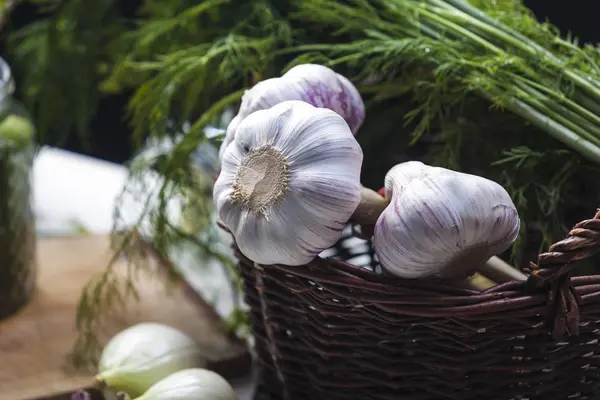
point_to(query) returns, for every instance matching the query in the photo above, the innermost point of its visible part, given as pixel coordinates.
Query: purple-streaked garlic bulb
(289, 183)
(315, 84)
(442, 223)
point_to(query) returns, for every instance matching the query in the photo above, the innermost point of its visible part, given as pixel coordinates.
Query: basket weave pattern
(331, 330)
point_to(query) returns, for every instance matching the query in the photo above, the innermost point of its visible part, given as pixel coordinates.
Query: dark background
(110, 137)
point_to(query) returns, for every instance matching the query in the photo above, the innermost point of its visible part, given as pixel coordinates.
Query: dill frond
(182, 73)
(59, 58)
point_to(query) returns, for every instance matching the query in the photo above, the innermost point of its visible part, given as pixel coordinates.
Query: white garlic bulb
(442, 223)
(289, 182)
(137, 357)
(191, 384)
(315, 84)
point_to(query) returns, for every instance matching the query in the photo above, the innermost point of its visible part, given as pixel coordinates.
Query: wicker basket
(334, 329)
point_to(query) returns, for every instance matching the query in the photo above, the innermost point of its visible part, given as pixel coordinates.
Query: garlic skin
(190, 384)
(229, 134)
(289, 182)
(142, 354)
(442, 223)
(315, 84)
(324, 88)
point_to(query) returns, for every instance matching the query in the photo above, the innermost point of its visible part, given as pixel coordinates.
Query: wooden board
(34, 343)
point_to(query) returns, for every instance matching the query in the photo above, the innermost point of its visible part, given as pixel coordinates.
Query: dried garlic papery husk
(141, 355)
(289, 183)
(190, 384)
(442, 223)
(315, 84)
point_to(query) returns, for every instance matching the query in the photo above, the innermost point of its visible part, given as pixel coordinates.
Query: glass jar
(17, 220)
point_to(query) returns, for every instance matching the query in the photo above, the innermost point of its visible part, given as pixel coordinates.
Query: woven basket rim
(549, 283)
(356, 275)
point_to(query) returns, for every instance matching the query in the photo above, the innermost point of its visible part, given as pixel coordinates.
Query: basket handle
(553, 272)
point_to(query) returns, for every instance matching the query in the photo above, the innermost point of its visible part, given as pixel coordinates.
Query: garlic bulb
(289, 182)
(190, 384)
(324, 88)
(140, 355)
(442, 223)
(315, 84)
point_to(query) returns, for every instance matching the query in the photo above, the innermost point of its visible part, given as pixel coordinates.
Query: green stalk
(558, 131)
(551, 108)
(577, 50)
(581, 112)
(457, 29)
(519, 41)
(590, 104)
(577, 119)
(584, 112)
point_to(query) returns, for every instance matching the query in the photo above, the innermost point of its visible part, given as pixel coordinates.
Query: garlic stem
(477, 282)
(500, 271)
(370, 207)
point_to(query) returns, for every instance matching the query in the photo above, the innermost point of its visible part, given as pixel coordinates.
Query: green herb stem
(457, 29)
(584, 112)
(594, 130)
(564, 116)
(522, 43)
(554, 128)
(585, 101)
(565, 43)
(552, 109)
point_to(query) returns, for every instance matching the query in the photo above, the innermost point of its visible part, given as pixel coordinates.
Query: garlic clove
(315, 84)
(191, 384)
(140, 355)
(442, 223)
(289, 182)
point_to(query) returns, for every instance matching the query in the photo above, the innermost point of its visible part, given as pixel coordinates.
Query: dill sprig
(467, 52)
(150, 239)
(183, 74)
(60, 59)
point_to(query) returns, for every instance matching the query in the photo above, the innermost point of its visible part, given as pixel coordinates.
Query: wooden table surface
(36, 342)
